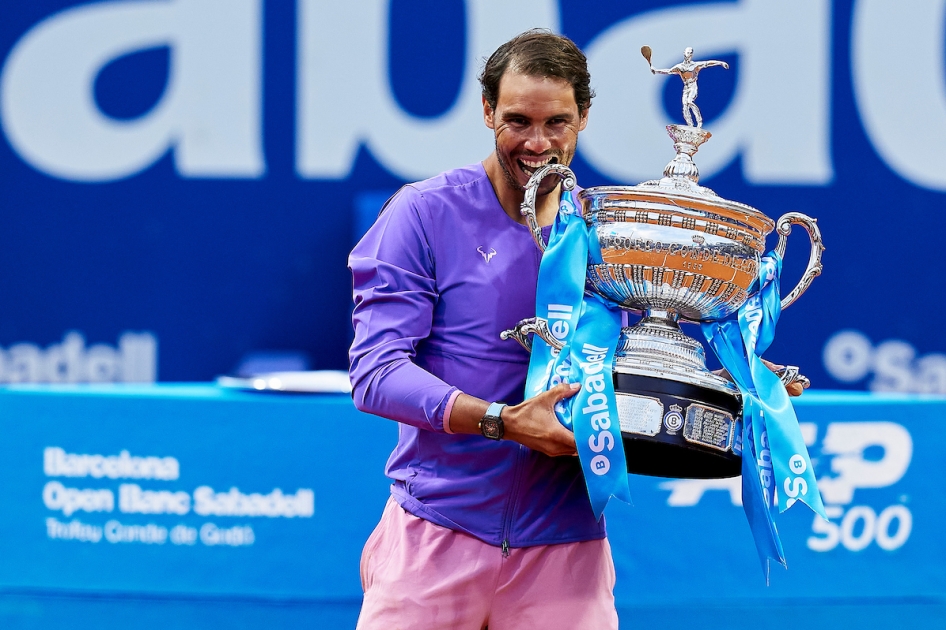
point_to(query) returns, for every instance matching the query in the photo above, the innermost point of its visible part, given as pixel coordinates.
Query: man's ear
(488, 114)
(583, 119)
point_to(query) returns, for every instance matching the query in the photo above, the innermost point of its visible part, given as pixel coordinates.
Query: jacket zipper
(510, 507)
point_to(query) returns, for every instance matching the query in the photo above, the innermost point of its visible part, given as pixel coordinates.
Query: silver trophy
(673, 251)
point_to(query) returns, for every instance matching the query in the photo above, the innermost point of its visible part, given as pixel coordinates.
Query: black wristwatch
(492, 424)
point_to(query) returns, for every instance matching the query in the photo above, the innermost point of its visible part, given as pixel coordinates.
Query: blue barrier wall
(208, 553)
(180, 180)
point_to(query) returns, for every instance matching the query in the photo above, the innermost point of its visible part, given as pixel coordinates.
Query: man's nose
(538, 140)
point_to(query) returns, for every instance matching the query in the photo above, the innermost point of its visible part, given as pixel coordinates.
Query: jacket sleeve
(395, 291)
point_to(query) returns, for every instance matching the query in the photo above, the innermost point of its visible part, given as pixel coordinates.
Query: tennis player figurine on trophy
(688, 71)
(673, 251)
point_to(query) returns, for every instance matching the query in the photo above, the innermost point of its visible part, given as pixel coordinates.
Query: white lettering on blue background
(117, 532)
(778, 120)
(70, 500)
(855, 527)
(183, 535)
(850, 356)
(132, 499)
(236, 536)
(135, 500)
(149, 534)
(764, 461)
(596, 411)
(235, 503)
(559, 316)
(850, 468)
(73, 530)
(897, 101)
(346, 44)
(209, 114)
(135, 360)
(795, 486)
(753, 315)
(58, 463)
(559, 319)
(846, 444)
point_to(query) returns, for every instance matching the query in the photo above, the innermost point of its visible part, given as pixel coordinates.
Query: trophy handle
(784, 228)
(537, 325)
(790, 374)
(528, 204)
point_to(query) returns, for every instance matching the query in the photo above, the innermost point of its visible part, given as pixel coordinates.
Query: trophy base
(675, 429)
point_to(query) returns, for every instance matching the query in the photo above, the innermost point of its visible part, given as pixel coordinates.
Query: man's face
(536, 122)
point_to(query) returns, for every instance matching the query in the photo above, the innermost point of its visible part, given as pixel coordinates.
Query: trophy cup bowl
(673, 251)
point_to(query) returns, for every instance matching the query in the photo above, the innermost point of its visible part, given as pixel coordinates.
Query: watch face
(492, 428)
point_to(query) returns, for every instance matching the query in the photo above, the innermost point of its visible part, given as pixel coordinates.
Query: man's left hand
(795, 388)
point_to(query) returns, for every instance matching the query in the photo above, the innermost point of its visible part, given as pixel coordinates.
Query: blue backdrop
(181, 181)
(79, 551)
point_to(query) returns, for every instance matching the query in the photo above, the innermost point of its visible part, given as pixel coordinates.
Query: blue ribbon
(774, 453)
(559, 298)
(589, 327)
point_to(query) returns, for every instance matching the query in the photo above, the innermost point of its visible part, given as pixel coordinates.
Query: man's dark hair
(539, 53)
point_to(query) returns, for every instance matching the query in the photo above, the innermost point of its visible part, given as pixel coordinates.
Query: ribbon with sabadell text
(589, 329)
(775, 459)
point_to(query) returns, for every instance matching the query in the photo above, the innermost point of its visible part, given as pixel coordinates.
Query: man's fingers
(566, 436)
(795, 382)
(565, 390)
(569, 447)
(555, 441)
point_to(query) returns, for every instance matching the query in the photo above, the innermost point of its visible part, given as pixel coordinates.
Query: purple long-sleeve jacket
(441, 273)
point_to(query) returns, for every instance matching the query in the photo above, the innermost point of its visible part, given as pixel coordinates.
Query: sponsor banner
(892, 365)
(186, 491)
(134, 360)
(875, 459)
(195, 168)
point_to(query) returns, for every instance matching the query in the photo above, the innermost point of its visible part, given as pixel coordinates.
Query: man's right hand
(532, 423)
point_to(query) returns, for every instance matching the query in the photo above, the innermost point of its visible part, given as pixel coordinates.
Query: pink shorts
(419, 575)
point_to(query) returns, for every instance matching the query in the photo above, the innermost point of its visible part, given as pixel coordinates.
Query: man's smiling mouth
(529, 166)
